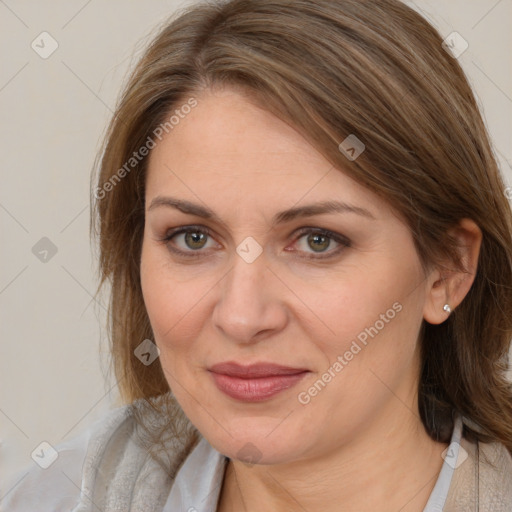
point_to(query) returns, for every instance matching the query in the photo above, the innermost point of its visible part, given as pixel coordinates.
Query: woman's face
(347, 307)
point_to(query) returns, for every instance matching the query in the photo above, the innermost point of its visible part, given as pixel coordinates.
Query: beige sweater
(483, 482)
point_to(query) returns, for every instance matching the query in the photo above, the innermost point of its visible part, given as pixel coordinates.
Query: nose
(251, 305)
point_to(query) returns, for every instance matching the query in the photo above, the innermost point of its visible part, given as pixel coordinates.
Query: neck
(392, 465)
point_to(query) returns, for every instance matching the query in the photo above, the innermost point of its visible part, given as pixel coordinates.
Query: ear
(450, 286)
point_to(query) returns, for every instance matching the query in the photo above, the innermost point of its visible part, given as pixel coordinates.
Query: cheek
(352, 303)
(172, 308)
(371, 318)
(175, 305)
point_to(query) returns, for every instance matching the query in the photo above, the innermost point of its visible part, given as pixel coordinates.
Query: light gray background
(54, 112)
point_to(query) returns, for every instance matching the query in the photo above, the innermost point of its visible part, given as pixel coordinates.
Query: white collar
(451, 460)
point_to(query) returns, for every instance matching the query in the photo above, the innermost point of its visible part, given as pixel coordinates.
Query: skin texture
(359, 444)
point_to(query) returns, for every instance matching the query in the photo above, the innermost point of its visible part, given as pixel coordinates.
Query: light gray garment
(114, 467)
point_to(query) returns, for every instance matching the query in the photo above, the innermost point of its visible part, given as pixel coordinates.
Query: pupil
(194, 237)
(315, 238)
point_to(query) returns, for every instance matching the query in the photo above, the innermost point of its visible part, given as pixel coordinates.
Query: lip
(254, 370)
(256, 382)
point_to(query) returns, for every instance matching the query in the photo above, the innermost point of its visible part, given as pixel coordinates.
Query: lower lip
(256, 389)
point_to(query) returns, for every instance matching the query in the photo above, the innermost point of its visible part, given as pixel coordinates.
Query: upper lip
(254, 370)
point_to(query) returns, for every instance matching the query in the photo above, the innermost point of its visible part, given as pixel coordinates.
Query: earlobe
(447, 288)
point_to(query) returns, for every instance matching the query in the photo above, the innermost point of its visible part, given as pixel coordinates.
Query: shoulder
(52, 481)
(495, 476)
(132, 464)
(482, 478)
(136, 447)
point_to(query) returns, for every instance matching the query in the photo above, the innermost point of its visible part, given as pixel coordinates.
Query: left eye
(318, 241)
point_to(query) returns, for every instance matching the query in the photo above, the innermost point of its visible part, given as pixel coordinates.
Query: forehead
(228, 151)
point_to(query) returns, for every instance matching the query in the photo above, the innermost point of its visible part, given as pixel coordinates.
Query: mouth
(256, 382)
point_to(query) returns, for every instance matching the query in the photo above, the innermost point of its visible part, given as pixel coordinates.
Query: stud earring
(447, 308)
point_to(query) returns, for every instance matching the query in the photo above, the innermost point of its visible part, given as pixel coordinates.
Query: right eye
(187, 241)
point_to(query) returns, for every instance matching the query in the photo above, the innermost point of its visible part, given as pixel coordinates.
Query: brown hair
(330, 68)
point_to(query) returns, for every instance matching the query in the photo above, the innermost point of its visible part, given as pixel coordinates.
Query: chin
(256, 447)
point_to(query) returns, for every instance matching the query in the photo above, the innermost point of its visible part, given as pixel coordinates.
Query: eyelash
(343, 241)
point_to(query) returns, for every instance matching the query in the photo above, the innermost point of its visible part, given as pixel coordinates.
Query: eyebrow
(280, 217)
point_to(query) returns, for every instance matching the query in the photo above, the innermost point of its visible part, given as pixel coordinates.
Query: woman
(310, 252)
